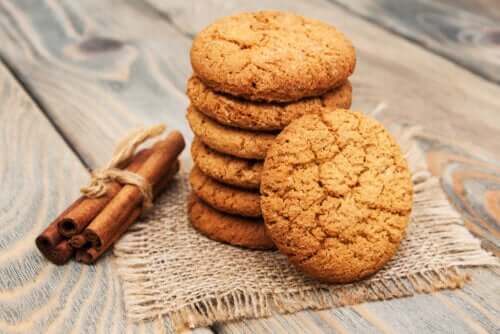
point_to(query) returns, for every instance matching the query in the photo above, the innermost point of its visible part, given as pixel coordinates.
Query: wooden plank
(88, 58)
(466, 31)
(341, 320)
(466, 306)
(97, 77)
(472, 183)
(475, 310)
(36, 296)
(79, 79)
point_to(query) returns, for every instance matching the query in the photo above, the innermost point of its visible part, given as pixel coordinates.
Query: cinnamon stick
(75, 220)
(79, 241)
(91, 254)
(107, 223)
(50, 240)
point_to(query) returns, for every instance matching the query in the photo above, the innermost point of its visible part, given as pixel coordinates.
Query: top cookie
(272, 56)
(336, 195)
(233, 111)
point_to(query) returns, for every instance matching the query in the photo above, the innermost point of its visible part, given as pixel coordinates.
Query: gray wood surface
(466, 31)
(472, 183)
(35, 296)
(474, 309)
(99, 68)
(95, 76)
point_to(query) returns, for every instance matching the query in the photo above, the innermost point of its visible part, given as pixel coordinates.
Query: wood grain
(93, 73)
(89, 69)
(472, 183)
(466, 32)
(100, 68)
(38, 174)
(39, 177)
(474, 309)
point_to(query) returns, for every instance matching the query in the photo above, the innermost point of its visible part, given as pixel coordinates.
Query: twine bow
(123, 153)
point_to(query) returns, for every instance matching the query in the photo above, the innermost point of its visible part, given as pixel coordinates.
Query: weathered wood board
(466, 31)
(99, 68)
(472, 183)
(95, 77)
(474, 309)
(38, 174)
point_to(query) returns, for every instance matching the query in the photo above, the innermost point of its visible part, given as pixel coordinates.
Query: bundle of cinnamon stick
(89, 226)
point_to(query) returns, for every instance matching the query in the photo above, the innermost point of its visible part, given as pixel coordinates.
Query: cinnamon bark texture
(75, 220)
(110, 214)
(154, 169)
(79, 241)
(91, 254)
(52, 244)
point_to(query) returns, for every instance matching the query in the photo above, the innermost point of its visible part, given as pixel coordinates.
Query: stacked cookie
(253, 74)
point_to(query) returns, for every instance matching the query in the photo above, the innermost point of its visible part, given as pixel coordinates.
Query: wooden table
(77, 75)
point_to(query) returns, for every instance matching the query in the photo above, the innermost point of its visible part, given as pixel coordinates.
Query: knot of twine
(113, 172)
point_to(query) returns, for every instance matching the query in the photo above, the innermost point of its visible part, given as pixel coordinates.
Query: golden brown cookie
(234, 230)
(239, 143)
(262, 116)
(336, 195)
(225, 198)
(272, 56)
(243, 173)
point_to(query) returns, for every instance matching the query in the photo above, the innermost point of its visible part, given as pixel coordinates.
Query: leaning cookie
(243, 173)
(272, 56)
(234, 230)
(237, 142)
(232, 111)
(336, 195)
(225, 198)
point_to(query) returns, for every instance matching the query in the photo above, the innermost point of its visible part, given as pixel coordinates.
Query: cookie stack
(253, 74)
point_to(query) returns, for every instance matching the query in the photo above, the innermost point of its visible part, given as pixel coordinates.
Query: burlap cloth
(169, 269)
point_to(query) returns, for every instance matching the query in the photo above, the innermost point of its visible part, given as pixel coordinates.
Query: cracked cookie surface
(233, 111)
(225, 168)
(225, 198)
(234, 230)
(336, 195)
(272, 56)
(237, 142)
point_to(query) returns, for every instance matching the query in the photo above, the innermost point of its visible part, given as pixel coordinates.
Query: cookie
(336, 195)
(239, 143)
(236, 112)
(272, 56)
(225, 168)
(225, 198)
(234, 230)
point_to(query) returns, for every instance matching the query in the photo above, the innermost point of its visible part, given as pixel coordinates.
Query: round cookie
(225, 198)
(336, 195)
(234, 230)
(239, 143)
(225, 168)
(262, 116)
(272, 56)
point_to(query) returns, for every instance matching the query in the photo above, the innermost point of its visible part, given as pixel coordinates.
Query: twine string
(113, 171)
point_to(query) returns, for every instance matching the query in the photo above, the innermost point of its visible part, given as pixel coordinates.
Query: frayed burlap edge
(240, 305)
(461, 250)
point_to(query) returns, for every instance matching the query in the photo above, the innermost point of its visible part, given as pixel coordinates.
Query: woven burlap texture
(169, 269)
